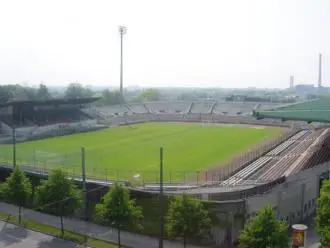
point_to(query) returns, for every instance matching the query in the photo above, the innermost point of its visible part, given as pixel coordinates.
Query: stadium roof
(62, 101)
(311, 111)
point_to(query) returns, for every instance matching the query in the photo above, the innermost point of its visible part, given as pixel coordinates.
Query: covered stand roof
(62, 101)
(311, 111)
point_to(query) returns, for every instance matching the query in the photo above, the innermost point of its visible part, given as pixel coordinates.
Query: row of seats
(262, 161)
(168, 107)
(202, 107)
(291, 158)
(317, 154)
(183, 107)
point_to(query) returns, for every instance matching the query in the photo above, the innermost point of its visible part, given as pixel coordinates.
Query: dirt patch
(258, 127)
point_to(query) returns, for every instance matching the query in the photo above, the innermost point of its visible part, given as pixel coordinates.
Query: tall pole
(320, 72)
(83, 165)
(161, 200)
(14, 147)
(122, 32)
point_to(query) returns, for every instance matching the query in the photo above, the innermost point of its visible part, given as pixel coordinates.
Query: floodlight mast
(122, 32)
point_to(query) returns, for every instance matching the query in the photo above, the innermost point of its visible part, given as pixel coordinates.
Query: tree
(265, 230)
(43, 93)
(76, 90)
(117, 209)
(58, 195)
(17, 189)
(110, 97)
(323, 214)
(187, 218)
(149, 95)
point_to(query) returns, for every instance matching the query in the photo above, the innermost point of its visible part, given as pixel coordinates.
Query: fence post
(197, 177)
(34, 157)
(206, 177)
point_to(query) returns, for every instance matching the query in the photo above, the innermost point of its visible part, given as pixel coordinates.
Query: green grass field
(120, 153)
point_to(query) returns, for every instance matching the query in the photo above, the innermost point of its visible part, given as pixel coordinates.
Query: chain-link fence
(44, 158)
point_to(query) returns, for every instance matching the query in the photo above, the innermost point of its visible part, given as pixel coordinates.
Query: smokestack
(320, 71)
(291, 82)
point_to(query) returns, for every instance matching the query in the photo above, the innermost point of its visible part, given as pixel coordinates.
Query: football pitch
(129, 152)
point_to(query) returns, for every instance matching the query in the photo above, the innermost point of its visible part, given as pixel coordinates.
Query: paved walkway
(12, 236)
(101, 232)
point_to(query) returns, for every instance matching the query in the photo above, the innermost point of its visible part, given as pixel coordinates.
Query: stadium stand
(168, 107)
(37, 119)
(138, 108)
(115, 110)
(202, 107)
(258, 164)
(316, 110)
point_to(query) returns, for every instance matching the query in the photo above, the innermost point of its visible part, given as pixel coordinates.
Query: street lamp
(122, 32)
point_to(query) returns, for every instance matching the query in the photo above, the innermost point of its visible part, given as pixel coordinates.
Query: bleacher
(260, 163)
(138, 108)
(46, 118)
(234, 109)
(115, 110)
(179, 107)
(202, 107)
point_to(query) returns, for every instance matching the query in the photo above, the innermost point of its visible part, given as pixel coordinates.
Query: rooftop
(63, 101)
(310, 111)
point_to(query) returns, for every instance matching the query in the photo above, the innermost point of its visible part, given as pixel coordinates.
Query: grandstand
(36, 119)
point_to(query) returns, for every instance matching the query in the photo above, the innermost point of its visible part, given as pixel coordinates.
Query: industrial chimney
(291, 82)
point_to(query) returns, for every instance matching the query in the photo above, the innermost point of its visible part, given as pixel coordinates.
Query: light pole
(14, 147)
(122, 32)
(161, 198)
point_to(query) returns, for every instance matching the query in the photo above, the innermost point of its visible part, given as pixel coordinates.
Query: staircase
(213, 107)
(190, 107)
(5, 129)
(146, 107)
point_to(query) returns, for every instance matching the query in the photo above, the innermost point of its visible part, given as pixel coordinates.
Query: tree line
(73, 91)
(59, 196)
(187, 218)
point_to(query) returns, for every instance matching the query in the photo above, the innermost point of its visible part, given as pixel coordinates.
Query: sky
(220, 43)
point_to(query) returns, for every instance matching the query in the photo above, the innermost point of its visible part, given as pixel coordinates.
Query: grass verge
(53, 231)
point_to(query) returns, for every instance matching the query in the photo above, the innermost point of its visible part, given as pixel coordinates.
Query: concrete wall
(293, 200)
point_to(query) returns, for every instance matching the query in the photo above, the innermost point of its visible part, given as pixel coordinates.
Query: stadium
(240, 154)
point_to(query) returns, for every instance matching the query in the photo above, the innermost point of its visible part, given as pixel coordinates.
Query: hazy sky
(225, 43)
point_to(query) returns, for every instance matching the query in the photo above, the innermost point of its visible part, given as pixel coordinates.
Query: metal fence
(222, 172)
(44, 159)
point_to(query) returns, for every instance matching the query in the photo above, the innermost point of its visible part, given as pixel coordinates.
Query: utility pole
(14, 147)
(122, 32)
(83, 165)
(320, 72)
(83, 169)
(161, 199)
